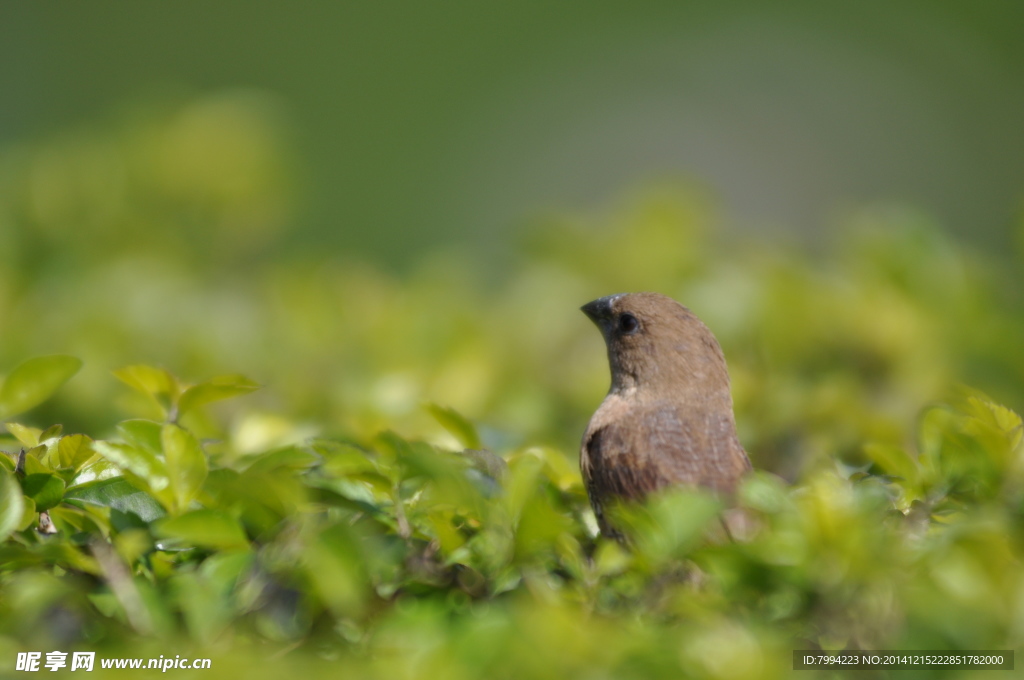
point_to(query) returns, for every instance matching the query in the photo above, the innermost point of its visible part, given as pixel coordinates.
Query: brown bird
(667, 420)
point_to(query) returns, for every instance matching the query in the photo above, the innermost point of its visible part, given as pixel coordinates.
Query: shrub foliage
(392, 551)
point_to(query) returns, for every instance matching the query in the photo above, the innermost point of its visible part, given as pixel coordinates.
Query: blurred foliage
(402, 496)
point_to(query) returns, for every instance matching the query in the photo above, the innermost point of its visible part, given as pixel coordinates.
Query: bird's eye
(628, 324)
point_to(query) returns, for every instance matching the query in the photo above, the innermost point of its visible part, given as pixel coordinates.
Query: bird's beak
(600, 310)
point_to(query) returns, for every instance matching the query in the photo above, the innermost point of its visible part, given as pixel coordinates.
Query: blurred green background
(418, 124)
(371, 208)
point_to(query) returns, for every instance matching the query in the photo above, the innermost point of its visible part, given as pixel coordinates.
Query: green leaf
(206, 610)
(74, 451)
(51, 432)
(32, 382)
(186, 464)
(1000, 417)
(668, 524)
(156, 383)
(45, 489)
(144, 464)
(333, 563)
(895, 461)
(292, 458)
(225, 570)
(457, 425)
(221, 387)
(12, 504)
(29, 436)
(143, 434)
(34, 462)
(205, 529)
(29, 516)
(119, 494)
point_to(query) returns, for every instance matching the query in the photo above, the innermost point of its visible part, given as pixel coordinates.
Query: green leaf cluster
(473, 563)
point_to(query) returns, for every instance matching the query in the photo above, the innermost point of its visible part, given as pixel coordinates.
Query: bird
(667, 420)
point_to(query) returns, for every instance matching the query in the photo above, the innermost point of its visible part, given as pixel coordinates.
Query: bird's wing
(658, 446)
(612, 467)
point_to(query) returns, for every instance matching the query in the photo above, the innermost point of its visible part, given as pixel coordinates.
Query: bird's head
(657, 344)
